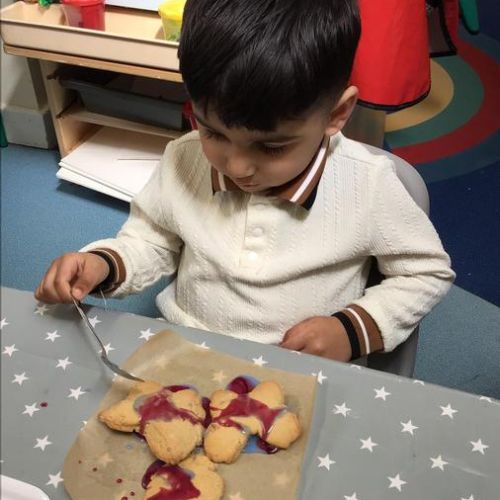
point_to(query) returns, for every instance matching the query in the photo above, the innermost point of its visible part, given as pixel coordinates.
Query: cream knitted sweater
(251, 266)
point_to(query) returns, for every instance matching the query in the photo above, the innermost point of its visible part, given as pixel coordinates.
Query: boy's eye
(272, 150)
(211, 134)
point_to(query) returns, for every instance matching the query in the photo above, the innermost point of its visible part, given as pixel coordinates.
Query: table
(375, 435)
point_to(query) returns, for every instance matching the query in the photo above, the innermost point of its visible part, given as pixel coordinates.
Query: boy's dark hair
(258, 62)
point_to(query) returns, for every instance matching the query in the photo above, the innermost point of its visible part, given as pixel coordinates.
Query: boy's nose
(239, 167)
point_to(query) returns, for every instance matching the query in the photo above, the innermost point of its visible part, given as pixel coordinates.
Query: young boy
(268, 215)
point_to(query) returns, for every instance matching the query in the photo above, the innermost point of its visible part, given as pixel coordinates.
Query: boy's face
(257, 161)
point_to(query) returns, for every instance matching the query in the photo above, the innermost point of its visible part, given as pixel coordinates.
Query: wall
(24, 106)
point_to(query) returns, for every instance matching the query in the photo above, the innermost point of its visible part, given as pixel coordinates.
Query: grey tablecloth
(375, 437)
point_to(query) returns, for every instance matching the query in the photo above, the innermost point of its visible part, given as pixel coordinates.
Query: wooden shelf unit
(77, 112)
(73, 124)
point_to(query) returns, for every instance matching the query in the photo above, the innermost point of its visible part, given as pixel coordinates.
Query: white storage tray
(131, 36)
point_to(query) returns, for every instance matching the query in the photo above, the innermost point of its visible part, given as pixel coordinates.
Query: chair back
(400, 361)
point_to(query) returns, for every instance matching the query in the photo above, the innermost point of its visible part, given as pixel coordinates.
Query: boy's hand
(321, 335)
(72, 275)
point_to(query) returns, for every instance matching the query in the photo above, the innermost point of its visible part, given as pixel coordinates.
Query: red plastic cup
(85, 13)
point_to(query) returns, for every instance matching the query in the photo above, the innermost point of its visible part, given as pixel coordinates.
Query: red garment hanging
(391, 68)
(392, 65)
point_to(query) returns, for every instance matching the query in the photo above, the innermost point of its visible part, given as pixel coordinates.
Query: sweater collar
(301, 190)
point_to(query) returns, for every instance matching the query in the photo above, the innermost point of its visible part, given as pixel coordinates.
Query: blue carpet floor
(43, 217)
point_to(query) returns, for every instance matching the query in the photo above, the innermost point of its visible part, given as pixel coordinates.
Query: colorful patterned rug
(453, 139)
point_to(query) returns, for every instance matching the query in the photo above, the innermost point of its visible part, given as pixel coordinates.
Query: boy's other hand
(320, 335)
(72, 275)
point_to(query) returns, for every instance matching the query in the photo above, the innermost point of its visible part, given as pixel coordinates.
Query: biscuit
(194, 477)
(170, 418)
(236, 416)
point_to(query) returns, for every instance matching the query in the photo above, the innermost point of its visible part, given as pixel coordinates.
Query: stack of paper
(114, 162)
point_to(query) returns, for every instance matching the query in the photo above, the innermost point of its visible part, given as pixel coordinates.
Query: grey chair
(401, 361)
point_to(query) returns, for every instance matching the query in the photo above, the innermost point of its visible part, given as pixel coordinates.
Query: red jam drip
(266, 447)
(205, 402)
(177, 388)
(245, 406)
(151, 471)
(240, 385)
(180, 485)
(159, 407)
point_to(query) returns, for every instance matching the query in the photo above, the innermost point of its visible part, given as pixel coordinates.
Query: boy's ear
(342, 111)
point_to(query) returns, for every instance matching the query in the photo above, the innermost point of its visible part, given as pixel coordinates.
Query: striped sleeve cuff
(364, 334)
(117, 271)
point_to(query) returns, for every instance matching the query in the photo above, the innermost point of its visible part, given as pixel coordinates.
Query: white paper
(114, 162)
(67, 175)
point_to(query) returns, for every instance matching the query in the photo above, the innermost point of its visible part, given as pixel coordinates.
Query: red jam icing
(245, 406)
(266, 447)
(205, 402)
(240, 385)
(159, 407)
(179, 480)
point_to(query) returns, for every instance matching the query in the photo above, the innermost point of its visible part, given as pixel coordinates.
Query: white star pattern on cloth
(320, 377)
(3, 323)
(54, 480)
(19, 379)
(107, 348)
(76, 393)
(42, 443)
(470, 498)
(219, 377)
(236, 496)
(438, 462)
(10, 350)
(479, 446)
(396, 482)
(63, 363)
(368, 444)
(260, 361)
(408, 427)
(448, 411)
(41, 310)
(30, 409)
(381, 393)
(146, 334)
(93, 321)
(351, 497)
(325, 462)
(52, 336)
(342, 410)
(203, 345)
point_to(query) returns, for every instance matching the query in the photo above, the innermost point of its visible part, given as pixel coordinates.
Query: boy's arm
(409, 254)
(145, 249)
